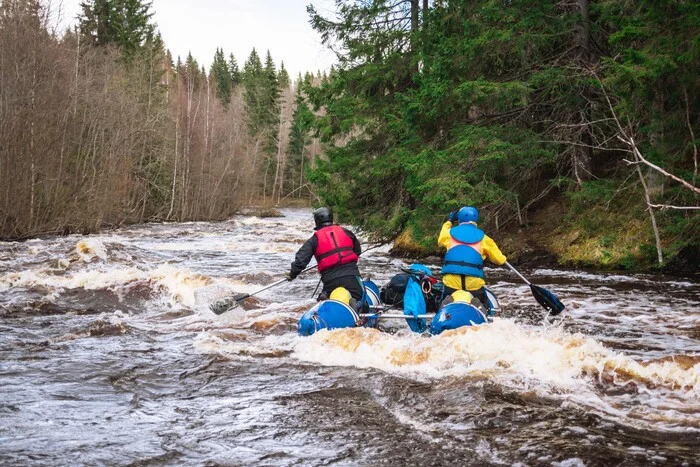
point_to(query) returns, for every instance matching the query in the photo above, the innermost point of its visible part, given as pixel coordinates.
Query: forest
(100, 126)
(572, 123)
(574, 120)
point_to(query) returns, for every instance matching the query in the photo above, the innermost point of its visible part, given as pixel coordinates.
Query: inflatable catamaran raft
(337, 313)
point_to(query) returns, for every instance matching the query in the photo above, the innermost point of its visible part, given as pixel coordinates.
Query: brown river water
(109, 355)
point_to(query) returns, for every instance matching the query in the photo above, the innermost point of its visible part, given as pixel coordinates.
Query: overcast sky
(200, 26)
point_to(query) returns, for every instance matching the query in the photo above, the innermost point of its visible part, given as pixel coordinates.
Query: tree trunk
(32, 156)
(415, 12)
(172, 193)
(647, 198)
(583, 152)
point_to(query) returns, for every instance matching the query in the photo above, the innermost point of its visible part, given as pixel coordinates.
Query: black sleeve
(356, 247)
(303, 256)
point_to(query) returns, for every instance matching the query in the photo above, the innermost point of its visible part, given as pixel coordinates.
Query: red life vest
(335, 247)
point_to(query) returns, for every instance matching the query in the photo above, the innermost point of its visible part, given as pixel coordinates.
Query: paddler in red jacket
(336, 250)
(467, 248)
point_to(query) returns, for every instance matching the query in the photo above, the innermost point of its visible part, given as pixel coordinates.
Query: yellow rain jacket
(489, 250)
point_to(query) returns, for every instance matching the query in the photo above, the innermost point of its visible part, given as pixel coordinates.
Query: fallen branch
(642, 160)
(668, 206)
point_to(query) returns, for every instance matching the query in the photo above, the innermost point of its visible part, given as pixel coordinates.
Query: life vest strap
(333, 252)
(465, 263)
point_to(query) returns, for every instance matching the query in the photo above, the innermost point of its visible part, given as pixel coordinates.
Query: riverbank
(553, 237)
(549, 237)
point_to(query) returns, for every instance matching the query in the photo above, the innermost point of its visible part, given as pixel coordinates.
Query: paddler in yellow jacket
(467, 248)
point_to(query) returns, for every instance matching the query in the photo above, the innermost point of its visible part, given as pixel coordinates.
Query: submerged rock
(261, 212)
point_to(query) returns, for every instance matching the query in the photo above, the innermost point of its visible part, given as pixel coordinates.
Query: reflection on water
(111, 356)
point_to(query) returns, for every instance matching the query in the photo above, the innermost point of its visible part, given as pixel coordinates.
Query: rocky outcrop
(685, 263)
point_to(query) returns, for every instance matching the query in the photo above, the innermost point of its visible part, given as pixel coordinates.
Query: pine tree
(125, 23)
(272, 95)
(233, 70)
(308, 79)
(192, 72)
(271, 111)
(252, 78)
(283, 77)
(133, 24)
(220, 73)
(302, 122)
(97, 22)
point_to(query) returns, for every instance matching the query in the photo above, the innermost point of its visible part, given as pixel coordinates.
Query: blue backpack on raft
(412, 292)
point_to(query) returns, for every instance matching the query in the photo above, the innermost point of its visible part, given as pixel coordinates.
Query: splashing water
(111, 355)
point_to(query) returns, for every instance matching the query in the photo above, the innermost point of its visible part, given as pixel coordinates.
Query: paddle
(225, 304)
(544, 297)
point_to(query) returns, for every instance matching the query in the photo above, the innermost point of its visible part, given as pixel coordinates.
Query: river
(110, 356)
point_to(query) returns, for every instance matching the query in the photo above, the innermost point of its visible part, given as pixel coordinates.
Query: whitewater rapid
(125, 315)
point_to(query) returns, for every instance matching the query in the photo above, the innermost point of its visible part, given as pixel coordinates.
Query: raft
(334, 314)
(459, 314)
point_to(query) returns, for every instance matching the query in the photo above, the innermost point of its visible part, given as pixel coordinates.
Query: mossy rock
(269, 212)
(262, 212)
(406, 246)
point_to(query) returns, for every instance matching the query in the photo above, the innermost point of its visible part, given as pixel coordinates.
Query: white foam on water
(572, 462)
(208, 342)
(549, 361)
(177, 285)
(89, 249)
(612, 278)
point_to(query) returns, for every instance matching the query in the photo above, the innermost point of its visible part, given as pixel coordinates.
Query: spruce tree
(222, 77)
(233, 70)
(97, 22)
(308, 79)
(125, 23)
(302, 122)
(283, 77)
(134, 26)
(253, 84)
(192, 72)
(272, 95)
(271, 111)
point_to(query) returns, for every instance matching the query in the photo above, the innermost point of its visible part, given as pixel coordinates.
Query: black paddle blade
(225, 304)
(547, 299)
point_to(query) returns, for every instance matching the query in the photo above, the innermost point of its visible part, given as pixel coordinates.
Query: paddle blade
(547, 300)
(225, 304)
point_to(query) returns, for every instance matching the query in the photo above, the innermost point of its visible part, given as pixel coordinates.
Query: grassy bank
(601, 233)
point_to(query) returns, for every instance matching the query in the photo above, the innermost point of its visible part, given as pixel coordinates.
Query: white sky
(200, 26)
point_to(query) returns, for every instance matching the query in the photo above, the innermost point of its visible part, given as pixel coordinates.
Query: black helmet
(323, 217)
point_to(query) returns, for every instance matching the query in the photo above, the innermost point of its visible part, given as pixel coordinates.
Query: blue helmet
(468, 214)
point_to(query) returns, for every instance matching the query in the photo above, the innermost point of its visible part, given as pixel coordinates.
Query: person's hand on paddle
(452, 217)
